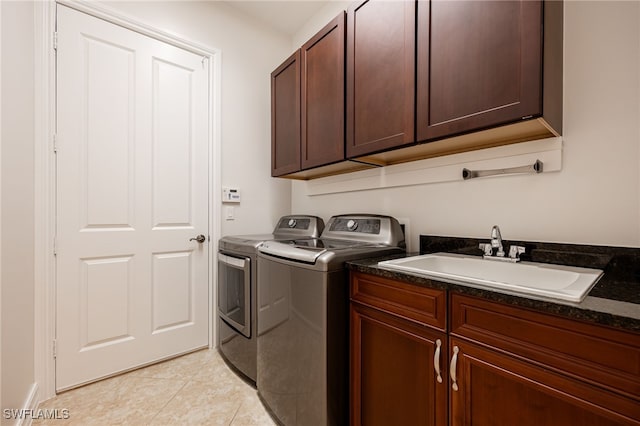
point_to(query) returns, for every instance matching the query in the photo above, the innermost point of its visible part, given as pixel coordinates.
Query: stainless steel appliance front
(237, 310)
(303, 343)
(237, 284)
(303, 324)
(234, 291)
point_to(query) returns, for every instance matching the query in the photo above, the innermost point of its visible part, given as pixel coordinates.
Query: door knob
(200, 238)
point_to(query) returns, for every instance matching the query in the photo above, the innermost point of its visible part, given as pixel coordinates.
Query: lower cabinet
(421, 356)
(511, 365)
(493, 388)
(394, 378)
(398, 363)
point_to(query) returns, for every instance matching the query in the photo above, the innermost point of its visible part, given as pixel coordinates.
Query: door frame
(45, 171)
(1, 198)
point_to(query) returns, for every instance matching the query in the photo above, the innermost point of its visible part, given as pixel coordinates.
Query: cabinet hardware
(452, 369)
(436, 360)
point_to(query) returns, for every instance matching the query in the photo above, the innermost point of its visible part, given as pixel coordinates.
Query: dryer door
(234, 292)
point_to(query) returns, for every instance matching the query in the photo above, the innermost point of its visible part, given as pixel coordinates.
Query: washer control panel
(364, 226)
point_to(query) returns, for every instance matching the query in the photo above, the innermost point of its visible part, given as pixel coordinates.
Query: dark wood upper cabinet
(322, 91)
(285, 117)
(397, 81)
(308, 108)
(380, 75)
(480, 65)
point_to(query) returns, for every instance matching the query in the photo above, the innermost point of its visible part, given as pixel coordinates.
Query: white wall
(318, 21)
(250, 51)
(594, 199)
(17, 179)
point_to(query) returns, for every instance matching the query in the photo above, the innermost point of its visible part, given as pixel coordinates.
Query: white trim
(1, 405)
(111, 15)
(442, 169)
(29, 406)
(215, 188)
(45, 169)
(44, 201)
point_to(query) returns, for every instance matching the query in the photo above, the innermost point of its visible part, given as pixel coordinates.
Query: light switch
(230, 212)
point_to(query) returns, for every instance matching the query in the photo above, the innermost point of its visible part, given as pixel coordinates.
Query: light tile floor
(195, 389)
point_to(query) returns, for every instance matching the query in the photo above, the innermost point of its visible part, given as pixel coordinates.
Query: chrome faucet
(494, 250)
(496, 241)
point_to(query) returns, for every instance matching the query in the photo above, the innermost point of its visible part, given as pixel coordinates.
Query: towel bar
(533, 168)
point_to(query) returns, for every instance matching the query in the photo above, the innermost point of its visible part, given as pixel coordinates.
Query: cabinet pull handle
(436, 360)
(452, 369)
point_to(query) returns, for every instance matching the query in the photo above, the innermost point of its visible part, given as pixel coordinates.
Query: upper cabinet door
(380, 75)
(479, 65)
(322, 60)
(285, 117)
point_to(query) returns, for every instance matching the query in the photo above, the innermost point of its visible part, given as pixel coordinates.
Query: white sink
(538, 280)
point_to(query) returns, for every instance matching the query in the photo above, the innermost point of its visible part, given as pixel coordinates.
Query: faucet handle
(516, 251)
(486, 247)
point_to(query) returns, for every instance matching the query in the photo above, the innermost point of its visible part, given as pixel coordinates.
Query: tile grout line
(235, 414)
(186, 382)
(188, 375)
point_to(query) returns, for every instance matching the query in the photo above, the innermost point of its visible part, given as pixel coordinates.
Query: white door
(132, 192)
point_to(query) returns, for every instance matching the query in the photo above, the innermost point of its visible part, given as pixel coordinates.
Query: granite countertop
(614, 301)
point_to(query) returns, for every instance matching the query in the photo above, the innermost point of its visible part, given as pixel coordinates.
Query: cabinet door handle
(452, 369)
(436, 360)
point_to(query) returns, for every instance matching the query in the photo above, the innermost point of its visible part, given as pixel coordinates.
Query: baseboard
(25, 416)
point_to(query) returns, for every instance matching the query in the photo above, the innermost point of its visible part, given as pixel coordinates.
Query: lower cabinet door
(398, 370)
(488, 387)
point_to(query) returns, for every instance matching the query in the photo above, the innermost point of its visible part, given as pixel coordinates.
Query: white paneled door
(132, 194)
